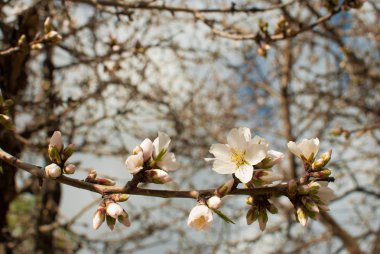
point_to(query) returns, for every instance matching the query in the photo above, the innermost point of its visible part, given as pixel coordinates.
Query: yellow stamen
(238, 157)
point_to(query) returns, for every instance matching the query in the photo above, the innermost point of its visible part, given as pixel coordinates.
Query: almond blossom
(307, 149)
(161, 156)
(239, 154)
(200, 217)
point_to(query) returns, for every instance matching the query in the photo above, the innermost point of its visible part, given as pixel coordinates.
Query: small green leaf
(223, 216)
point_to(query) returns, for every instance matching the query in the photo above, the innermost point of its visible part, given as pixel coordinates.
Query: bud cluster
(50, 36)
(110, 211)
(58, 155)
(258, 210)
(92, 177)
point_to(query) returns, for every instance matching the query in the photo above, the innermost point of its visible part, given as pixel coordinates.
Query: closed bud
(310, 204)
(53, 171)
(325, 172)
(249, 200)
(52, 37)
(272, 209)
(303, 189)
(36, 46)
(99, 217)
(313, 187)
(67, 152)
(47, 25)
(124, 219)
(263, 219)
(214, 202)
(252, 215)
(318, 164)
(54, 155)
(110, 222)
(56, 141)
(225, 188)
(21, 41)
(69, 169)
(104, 181)
(292, 186)
(157, 176)
(114, 210)
(119, 197)
(326, 156)
(301, 216)
(336, 131)
(91, 175)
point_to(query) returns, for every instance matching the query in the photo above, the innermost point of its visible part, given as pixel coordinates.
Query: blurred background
(125, 70)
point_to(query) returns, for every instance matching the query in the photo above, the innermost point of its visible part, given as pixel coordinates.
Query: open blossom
(163, 158)
(135, 162)
(239, 155)
(200, 217)
(53, 171)
(307, 148)
(56, 140)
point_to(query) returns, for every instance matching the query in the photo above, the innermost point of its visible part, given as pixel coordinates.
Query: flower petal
(168, 162)
(161, 142)
(223, 167)
(309, 147)
(244, 173)
(293, 148)
(246, 132)
(221, 152)
(255, 153)
(236, 139)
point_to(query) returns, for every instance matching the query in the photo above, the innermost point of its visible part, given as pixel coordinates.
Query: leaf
(223, 216)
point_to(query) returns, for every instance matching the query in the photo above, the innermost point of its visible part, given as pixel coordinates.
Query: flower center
(238, 157)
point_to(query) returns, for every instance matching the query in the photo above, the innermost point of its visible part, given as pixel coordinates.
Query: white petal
(255, 153)
(309, 147)
(223, 167)
(246, 133)
(236, 139)
(221, 152)
(244, 173)
(147, 147)
(169, 162)
(259, 140)
(270, 177)
(293, 148)
(326, 194)
(161, 142)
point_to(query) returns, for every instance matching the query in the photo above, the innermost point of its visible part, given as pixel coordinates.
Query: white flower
(135, 162)
(239, 155)
(214, 202)
(56, 140)
(53, 171)
(307, 148)
(114, 210)
(325, 193)
(99, 217)
(164, 160)
(200, 217)
(147, 148)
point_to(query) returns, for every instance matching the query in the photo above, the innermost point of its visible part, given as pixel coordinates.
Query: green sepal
(223, 216)
(6, 121)
(54, 155)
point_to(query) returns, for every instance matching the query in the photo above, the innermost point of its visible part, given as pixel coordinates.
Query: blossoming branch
(247, 160)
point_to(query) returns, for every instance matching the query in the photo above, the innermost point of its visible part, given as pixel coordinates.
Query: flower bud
(325, 172)
(135, 163)
(114, 210)
(91, 175)
(318, 164)
(36, 46)
(99, 217)
(292, 186)
(225, 188)
(47, 25)
(56, 141)
(147, 148)
(157, 176)
(67, 152)
(249, 200)
(252, 215)
(263, 219)
(326, 156)
(214, 202)
(303, 189)
(124, 219)
(54, 155)
(53, 171)
(301, 216)
(52, 37)
(110, 222)
(104, 181)
(119, 197)
(69, 169)
(310, 204)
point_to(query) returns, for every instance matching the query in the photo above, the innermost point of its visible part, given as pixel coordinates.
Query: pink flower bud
(147, 148)
(99, 217)
(214, 202)
(114, 210)
(157, 176)
(56, 140)
(53, 171)
(135, 163)
(69, 169)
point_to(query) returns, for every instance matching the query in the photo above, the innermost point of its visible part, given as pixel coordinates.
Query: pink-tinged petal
(56, 140)
(135, 163)
(223, 167)
(147, 147)
(236, 139)
(221, 152)
(244, 173)
(255, 153)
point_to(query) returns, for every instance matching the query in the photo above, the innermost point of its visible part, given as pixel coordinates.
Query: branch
(281, 189)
